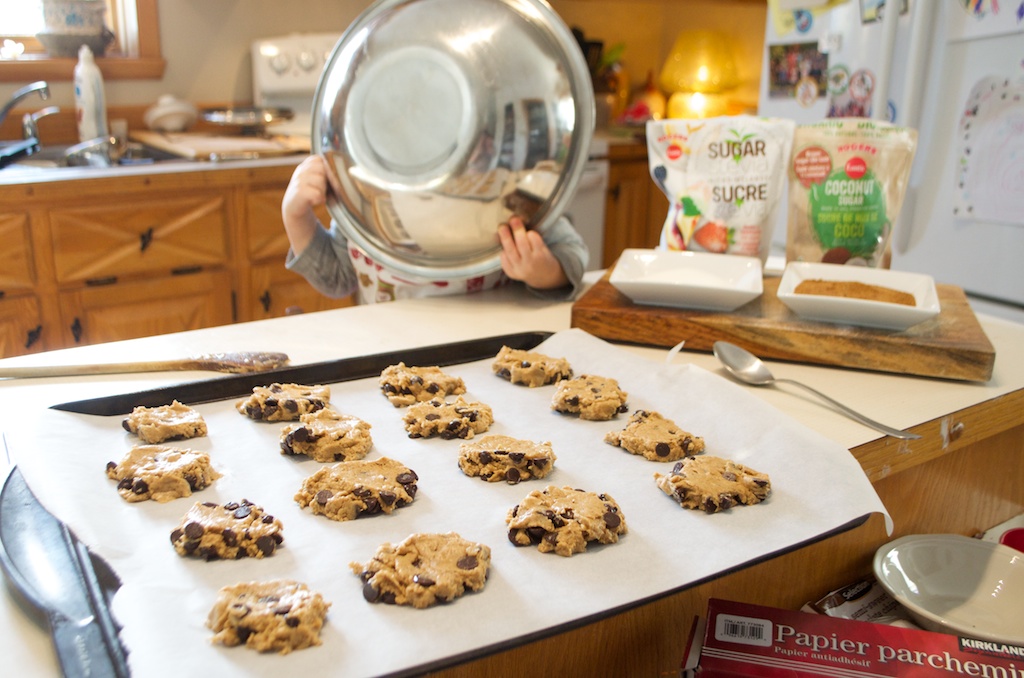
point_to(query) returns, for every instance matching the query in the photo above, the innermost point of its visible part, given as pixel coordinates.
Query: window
(135, 53)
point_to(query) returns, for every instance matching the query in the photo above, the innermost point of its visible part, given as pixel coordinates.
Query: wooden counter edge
(886, 456)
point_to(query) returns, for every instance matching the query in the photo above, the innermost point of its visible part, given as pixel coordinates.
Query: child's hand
(526, 257)
(306, 191)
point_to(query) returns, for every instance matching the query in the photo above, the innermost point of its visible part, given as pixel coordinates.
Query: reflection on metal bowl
(439, 119)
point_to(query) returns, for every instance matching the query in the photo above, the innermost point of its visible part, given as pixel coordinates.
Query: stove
(285, 74)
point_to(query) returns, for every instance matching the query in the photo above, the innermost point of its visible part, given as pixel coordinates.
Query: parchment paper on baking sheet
(817, 487)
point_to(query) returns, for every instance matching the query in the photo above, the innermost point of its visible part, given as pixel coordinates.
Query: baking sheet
(164, 598)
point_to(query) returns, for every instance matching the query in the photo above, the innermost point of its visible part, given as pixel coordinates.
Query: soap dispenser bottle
(90, 102)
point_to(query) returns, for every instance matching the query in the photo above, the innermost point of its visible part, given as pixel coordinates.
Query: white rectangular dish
(862, 312)
(697, 280)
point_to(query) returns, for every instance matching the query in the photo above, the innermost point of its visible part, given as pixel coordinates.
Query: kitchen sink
(96, 153)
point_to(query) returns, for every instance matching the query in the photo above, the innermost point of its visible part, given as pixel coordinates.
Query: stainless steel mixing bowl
(439, 119)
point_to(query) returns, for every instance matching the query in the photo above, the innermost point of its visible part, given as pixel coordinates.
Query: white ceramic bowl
(170, 114)
(697, 280)
(955, 584)
(862, 312)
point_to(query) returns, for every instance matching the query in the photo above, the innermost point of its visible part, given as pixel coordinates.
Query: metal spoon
(749, 369)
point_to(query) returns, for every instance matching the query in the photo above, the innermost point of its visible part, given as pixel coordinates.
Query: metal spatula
(238, 362)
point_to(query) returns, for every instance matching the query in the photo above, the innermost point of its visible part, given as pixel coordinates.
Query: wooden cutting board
(952, 345)
(202, 146)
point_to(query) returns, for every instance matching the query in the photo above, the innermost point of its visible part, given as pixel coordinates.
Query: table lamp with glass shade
(698, 70)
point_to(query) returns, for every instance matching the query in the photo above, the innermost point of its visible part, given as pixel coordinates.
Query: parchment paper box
(751, 640)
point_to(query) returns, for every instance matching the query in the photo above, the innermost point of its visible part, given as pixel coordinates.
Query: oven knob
(280, 62)
(307, 60)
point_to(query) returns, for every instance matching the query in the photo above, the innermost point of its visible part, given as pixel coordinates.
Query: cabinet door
(21, 326)
(101, 313)
(17, 273)
(157, 234)
(264, 225)
(278, 292)
(626, 209)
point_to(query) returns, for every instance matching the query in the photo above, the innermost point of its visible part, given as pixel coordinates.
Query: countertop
(897, 400)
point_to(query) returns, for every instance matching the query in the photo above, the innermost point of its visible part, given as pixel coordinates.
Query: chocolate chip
(432, 416)
(371, 594)
(513, 476)
(125, 483)
(111, 466)
(504, 373)
(243, 633)
(432, 388)
(423, 580)
(194, 530)
(231, 505)
(290, 405)
(140, 486)
(406, 477)
(662, 449)
(361, 491)
(372, 505)
(517, 457)
(612, 520)
(229, 538)
(387, 498)
(485, 458)
(467, 563)
(125, 426)
(535, 534)
(301, 434)
(176, 535)
(265, 543)
(267, 519)
(323, 496)
(292, 622)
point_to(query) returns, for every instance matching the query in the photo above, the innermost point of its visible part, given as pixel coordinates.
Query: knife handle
(82, 649)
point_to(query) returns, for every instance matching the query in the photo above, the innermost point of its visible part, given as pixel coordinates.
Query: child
(550, 266)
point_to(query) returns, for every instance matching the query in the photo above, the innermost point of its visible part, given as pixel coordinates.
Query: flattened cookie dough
(448, 420)
(351, 489)
(404, 385)
(327, 435)
(591, 397)
(563, 520)
(284, 402)
(161, 473)
(498, 458)
(166, 422)
(530, 369)
(424, 569)
(654, 437)
(229, 532)
(713, 484)
(272, 616)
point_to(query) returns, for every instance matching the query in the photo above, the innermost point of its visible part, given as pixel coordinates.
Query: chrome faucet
(39, 86)
(30, 121)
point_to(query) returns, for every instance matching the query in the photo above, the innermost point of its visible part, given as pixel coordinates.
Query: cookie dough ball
(591, 397)
(656, 438)
(424, 570)
(167, 422)
(713, 484)
(564, 520)
(272, 616)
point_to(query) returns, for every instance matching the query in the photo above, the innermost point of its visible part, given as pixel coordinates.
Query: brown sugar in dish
(855, 290)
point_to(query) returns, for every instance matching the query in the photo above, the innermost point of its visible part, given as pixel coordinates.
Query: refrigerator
(953, 70)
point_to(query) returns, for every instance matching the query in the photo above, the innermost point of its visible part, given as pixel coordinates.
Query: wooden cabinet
(123, 256)
(635, 208)
(274, 290)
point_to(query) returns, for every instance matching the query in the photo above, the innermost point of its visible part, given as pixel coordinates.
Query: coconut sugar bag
(846, 186)
(724, 179)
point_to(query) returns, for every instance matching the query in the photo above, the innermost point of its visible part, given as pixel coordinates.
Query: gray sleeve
(325, 263)
(568, 247)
